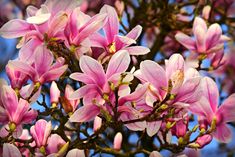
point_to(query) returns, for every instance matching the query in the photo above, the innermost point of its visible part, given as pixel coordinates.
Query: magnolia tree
(82, 84)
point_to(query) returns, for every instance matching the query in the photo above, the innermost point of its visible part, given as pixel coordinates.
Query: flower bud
(117, 141)
(204, 140)
(97, 123)
(206, 12)
(54, 93)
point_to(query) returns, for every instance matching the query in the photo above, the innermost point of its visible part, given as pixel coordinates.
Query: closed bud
(204, 140)
(97, 123)
(206, 12)
(117, 141)
(54, 93)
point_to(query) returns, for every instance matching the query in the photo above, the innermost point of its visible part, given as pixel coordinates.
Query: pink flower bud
(54, 93)
(204, 140)
(206, 12)
(202, 123)
(40, 132)
(117, 141)
(97, 123)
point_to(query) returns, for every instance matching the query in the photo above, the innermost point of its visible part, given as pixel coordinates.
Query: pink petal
(202, 108)
(15, 28)
(111, 28)
(136, 95)
(92, 26)
(82, 77)
(123, 41)
(53, 74)
(94, 69)
(76, 153)
(175, 62)
(98, 40)
(10, 100)
(190, 91)
(43, 59)
(223, 133)
(227, 109)
(117, 142)
(24, 68)
(27, 52)
(156, 75)
(211, 92)
(10, 150)
(57, 24)
(85, 113)
(137, 50)
(82, 91)
(213, 35)
(135, 32)
(118, 63)
(186, 41)
(199, 22)
(54, 143)
(200, 39)
(153, 127)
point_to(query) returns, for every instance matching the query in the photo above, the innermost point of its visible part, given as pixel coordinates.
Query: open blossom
(40, 132)
(97, 86)
(208, 109)
(14, 112)
(79, 27)
(207, 40)
(42, 69)
(50, 21)
(113, 42)
(180, 81)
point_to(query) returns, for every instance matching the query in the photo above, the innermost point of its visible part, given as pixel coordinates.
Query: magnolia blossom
(42, 69)
(208, 109)
(54, 93)
(76, 153)
(40, 132)
(113, 42)
(207, 40)
(97, 87)
(78, 28)
(50, 21)
(117, 143)
(14, 111)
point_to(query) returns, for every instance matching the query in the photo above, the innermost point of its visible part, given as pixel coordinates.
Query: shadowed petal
(223, 133)
(186, 41)
(85, 113)
(111, 27)
(118, 63)
(15, 28)
(153, 127)
(9, 150)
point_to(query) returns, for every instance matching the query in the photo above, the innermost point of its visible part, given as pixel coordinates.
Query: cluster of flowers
(59, 36)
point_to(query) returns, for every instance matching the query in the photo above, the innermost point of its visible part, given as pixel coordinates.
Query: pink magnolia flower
(207, 40)
(40, 132)
(17, 79)
(79, 27)
(14, 112)
(97, 84)
(184, 82)
(42, 69)
(97, 123)
(49, 21)
(208, 109)
(204, 140)
(117, 143)
(10, 150)
(113, 42)
(54, 143)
